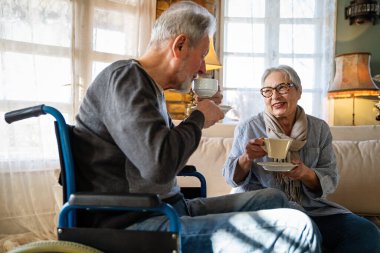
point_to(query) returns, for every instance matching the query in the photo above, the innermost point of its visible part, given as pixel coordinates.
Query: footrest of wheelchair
(122, 241)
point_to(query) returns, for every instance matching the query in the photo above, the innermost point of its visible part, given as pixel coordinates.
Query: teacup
(205, 87)
(277, 148)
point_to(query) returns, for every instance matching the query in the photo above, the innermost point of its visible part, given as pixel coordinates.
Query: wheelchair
(74, 238)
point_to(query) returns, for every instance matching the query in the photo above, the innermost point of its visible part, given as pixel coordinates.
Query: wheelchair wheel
(54, 247)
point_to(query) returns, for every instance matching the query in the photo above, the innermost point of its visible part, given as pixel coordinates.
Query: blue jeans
(348, 233)
(241, 222)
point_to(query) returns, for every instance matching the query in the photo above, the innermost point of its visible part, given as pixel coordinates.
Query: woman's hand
(305, 174)
(253, 150)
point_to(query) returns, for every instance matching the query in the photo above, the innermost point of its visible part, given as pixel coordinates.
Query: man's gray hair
(183, 17)
(288, 71)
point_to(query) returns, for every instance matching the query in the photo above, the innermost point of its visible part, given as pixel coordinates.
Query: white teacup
(277, 148)
(205, 87)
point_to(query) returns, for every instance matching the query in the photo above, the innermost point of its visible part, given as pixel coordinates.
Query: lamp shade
(211, 59)
(352, 76)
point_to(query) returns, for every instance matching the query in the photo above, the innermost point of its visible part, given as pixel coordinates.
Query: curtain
(50, 51)
(258, 34)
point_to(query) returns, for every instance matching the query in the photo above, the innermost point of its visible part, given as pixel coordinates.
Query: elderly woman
(315, 173)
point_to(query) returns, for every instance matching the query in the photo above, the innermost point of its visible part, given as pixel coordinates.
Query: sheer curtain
(50, 51)
(257, 34)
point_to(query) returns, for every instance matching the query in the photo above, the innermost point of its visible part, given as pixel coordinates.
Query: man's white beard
(185, 86)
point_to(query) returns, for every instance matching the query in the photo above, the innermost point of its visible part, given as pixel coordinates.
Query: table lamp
(352, 78)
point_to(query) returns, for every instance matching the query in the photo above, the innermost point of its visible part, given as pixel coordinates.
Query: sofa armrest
(358, 163)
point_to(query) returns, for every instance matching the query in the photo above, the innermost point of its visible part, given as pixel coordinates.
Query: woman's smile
(279, 105)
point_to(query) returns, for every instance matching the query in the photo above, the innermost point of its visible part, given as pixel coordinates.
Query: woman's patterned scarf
(292, 188)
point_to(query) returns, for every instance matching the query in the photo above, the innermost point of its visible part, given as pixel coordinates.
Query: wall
(358, 38)
(349, 39)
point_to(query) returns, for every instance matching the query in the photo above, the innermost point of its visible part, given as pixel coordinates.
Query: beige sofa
(32, 215)
(357, 149)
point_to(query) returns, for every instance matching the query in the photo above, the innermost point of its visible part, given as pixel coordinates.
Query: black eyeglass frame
(277, 88)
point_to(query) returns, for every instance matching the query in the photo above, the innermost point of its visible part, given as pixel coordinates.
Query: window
(50, 51)
(257, 34)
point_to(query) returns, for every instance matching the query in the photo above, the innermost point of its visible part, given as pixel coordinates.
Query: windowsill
(32, 165)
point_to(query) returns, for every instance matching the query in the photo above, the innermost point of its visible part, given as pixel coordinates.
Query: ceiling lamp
(211, 60)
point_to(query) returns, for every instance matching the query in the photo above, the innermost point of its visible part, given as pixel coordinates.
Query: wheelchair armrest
(130, 200)
(188, 169)
(125, 202)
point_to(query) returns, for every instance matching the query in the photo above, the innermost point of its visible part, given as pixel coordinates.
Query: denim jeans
(255, 221)
(348, 233)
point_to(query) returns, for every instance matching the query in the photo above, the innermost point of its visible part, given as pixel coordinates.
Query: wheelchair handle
(24, 113)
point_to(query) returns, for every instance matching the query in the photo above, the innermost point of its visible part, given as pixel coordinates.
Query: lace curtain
(258, 34)
(50, 51)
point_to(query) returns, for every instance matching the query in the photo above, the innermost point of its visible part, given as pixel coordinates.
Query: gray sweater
(124, 139)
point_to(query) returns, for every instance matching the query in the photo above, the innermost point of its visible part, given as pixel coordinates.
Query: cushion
(359, 166)
(209, 159)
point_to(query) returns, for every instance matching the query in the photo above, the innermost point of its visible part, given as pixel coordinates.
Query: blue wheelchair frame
(130, 202)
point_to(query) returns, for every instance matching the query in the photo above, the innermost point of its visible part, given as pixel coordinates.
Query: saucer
(225, 108)
(277, 167)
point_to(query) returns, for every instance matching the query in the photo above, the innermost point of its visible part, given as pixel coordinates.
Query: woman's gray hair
(183, 17)
(288, 71)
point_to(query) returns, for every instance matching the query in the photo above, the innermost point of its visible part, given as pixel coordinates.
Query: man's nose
(202, 68)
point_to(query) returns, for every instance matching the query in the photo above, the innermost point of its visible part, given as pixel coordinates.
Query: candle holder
(376, 78)
(377, 105)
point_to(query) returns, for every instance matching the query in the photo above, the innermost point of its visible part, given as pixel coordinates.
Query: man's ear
(179, 45)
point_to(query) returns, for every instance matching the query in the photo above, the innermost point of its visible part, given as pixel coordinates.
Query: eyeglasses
(281, 88)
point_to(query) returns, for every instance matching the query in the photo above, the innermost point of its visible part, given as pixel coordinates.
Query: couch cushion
(209, 159)
(220, 130)
(359, 166)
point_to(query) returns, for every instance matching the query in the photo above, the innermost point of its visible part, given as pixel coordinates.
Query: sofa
(32, 215)
(357, 150)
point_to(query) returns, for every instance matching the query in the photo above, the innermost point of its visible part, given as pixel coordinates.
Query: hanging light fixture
(211, 60)
(361, 11)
